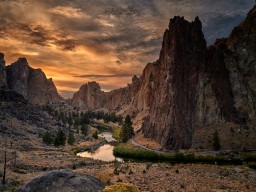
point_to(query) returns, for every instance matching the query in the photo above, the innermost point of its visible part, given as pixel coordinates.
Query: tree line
(59, 138)
(75, 118)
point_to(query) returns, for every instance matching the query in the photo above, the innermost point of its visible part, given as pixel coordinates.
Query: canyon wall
(31, 83)
(190, 86)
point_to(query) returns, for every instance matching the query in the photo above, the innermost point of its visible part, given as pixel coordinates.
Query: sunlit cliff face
(107, 41)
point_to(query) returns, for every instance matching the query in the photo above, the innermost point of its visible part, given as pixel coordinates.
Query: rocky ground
(147, 176)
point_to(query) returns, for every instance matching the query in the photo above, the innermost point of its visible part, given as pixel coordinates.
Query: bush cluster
(123, 150)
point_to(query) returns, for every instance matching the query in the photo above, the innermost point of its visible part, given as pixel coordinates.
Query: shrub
(121, 187)
(104, 177)
(95, 134)
(116, 133)
(216, 141)
(179, 157)
(47, 138)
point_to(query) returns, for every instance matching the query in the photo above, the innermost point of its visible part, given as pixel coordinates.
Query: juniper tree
(127, 130)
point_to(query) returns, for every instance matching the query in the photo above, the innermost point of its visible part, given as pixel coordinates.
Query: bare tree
(5, 159)
(14, 159)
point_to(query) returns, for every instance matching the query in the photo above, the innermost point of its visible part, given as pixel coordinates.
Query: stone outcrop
(176, 78)
(31, 83)
(89, 96)
(3, 83)
(191, 86)
(63, 180)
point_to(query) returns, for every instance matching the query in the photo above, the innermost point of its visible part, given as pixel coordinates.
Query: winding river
(105, 152)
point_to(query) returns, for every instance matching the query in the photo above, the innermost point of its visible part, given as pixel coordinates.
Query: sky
(108, 41)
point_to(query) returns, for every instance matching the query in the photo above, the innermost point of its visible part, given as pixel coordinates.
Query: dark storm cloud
(215, 26)
(36, 34)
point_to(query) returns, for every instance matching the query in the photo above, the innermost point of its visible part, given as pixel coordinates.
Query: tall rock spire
(171, 115)
(3, 83)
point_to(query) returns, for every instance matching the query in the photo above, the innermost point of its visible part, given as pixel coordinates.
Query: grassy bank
(133, 153)
(116, 132)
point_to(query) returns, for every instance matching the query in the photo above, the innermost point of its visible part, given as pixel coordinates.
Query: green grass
(116, 132)
(123, 150)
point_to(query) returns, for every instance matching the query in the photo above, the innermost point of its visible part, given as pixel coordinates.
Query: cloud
(214, 27)
(70, 12)
(94, 76)
(99, 37)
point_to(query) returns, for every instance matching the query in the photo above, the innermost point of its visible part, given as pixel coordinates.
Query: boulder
(63, 181)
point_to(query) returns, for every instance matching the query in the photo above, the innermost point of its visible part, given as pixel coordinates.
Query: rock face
(91, 97)
(31, 83)
(172, 114)
(88, 96)
(61, 181)
(207, 86)
(3, 83)
(191, 86)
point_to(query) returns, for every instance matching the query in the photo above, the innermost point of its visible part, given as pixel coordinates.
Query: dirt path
(143, 146)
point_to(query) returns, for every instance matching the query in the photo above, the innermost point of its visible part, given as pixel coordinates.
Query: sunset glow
(107, 41)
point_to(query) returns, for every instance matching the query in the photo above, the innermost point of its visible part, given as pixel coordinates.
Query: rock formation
(63, 180)
(207, 86)
(172, 114)
(88, 96)
(3, 83)
(190, 86)
(31, 83)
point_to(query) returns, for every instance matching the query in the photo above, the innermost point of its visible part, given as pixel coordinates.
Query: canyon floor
(157, 177)
(23, 124)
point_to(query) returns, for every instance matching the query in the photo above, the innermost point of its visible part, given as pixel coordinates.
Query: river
(105, 152)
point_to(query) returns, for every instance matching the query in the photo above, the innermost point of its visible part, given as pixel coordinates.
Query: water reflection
(104, 153)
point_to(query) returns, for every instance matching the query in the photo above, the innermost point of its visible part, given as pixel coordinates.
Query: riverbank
(133, 153)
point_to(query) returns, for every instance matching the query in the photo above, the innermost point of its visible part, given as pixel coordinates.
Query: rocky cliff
(89, 96)
(172, 113)
(190, 86)
(31, 83)
(3, 83)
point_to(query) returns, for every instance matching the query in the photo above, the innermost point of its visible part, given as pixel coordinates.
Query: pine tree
(71, 138)
(127, 130)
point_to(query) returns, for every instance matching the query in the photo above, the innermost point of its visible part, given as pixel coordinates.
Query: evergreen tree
(71, 138)
(47, 138)
(77, 122)
(84, 129)
(60, 138)
(127, 130)
(216, 141)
